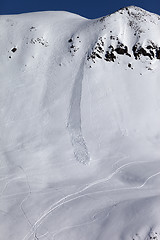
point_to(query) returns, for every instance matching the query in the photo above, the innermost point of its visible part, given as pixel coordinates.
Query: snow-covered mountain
(80, 126)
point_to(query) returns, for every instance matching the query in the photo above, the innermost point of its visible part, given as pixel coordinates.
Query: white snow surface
(80, 126)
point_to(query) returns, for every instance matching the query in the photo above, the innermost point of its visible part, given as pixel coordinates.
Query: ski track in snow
(26, 198)
(74, 121)
(94, 219)
(64, 200)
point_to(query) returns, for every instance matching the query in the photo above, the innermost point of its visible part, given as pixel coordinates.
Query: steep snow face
(80, 128)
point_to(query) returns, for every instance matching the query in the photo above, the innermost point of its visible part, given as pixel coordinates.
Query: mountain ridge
(80, 129)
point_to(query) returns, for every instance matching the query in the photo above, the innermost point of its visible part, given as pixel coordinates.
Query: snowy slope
(80, 126)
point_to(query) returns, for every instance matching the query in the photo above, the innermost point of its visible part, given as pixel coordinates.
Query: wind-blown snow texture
(80, 126)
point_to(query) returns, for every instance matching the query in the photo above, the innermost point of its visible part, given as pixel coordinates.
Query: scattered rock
(102, 19)
(109, 56)
(138, 51)
(123, 50)
(14, 49)
(97, 51)
(41, 41)
(151, 51)
(32, 28)
(158, 53)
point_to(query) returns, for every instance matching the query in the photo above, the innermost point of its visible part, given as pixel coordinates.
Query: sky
(89, 9)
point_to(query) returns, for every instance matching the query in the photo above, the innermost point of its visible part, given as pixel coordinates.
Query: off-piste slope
(80, 126)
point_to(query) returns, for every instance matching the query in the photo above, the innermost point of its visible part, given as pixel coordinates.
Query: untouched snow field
(80, 126)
